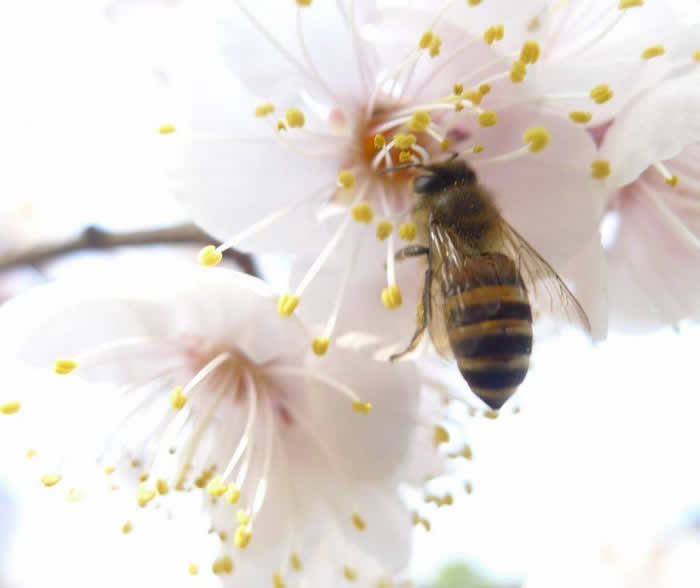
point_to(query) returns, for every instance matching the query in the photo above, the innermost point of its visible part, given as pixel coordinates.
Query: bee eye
(426, 183)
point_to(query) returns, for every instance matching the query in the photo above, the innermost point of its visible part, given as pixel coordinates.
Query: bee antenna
(387, 170)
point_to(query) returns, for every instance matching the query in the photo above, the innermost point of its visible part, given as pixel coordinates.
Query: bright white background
(598, 470)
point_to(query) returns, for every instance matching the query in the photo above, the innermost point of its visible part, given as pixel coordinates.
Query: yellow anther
(362, 407)
(109, 470)
(162, 487)
(144, 495)
(362, 213)
(419, 121)
(445, 144)
(358, 522)
(425, 39)
(404, 140)
(264, 109)
(294, 117)
(457, 89)
(242, 537)
(518, 71)
(178, 398)
(384, 229)
(696, 55)
(484, 89)
(379, 141)
(346, 179)
(320, 345)
(127, 527)
(530, 52)
(304, 2)
(143, 477)
(601, 93)
(10, 407)
(223, 565)
(494, 33)
(629, 4)
(407, 231)
(538, 137)
(243, 517)
(440, 435)
(30, 453)
(466, 452)
(64, 366)
(435, 46)
(350, 574)
(277, 581)
(49, 480)
(192, 569)
(295, 562)
(468, 488)
(281, 126)
(391, 297)
(166, 129)
(473, 2)
(653, 51)
(488, 118)
(600, 168)
(580, 116)
(672, 181)
(405, 156)
(477, 148)
(418, 520)
(209, 256)
(491, 414)
(474, 96)
(287, 304)
(459, 106)
(216, 487)
(233, 494)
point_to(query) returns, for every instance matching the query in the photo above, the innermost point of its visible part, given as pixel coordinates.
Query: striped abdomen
(489, 325)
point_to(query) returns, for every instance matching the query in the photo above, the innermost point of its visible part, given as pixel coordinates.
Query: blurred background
(595, 482)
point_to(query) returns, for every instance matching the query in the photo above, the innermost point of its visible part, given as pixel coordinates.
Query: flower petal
(655, 127)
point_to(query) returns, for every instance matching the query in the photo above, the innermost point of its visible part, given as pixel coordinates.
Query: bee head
(444, 174)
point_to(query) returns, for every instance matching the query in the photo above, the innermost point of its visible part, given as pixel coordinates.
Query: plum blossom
(653, 227)
(337, 94)
(196, 395)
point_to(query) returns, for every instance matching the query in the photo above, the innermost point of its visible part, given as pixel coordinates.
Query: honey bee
(480, 281)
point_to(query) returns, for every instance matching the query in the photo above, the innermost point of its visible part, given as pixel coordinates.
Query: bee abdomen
(490, 332)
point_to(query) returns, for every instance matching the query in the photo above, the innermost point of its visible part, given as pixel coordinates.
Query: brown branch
(96, 238)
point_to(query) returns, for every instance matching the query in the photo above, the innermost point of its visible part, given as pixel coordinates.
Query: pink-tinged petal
(587, 275)
(655, 127)
(549, 197)
(655, 253)
(236, 169)
(340, 59)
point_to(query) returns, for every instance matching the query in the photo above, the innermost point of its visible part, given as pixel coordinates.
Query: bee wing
(545, 288)
(438, 322)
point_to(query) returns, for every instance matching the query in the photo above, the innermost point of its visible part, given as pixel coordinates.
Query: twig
(97, 238)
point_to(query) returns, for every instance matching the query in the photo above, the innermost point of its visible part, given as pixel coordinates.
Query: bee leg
(411, 251)
(423, 318)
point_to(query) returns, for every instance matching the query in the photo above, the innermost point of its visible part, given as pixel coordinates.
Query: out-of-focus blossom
(336, 93)
(653, 241)
(195, 393)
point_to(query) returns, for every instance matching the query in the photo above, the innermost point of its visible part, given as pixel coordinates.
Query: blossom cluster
(276, 410)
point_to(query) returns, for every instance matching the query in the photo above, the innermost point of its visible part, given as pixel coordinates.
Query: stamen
(261, 489)
(580, 116)
(358, 522)
(223, 565)
(535, 139)
(488, 118)
(270, 219)
(493, 33)
(653, 51)
(419, 121)
(264, 109)
(321, 378)
(245, 440)
(10, 407)
(440, 436)
(669, 178)
(209, 256)
(64, 366)
(320, 345)
(391, 297)
(307, 56)
(192, 569)
(530, 52)
(384, 229)
(518, 71)
(600, 169)
(407, 231)
(601, 94)
(166, 129)
(350, 574)
(295, 118)
(50, 480)
(346, 179)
